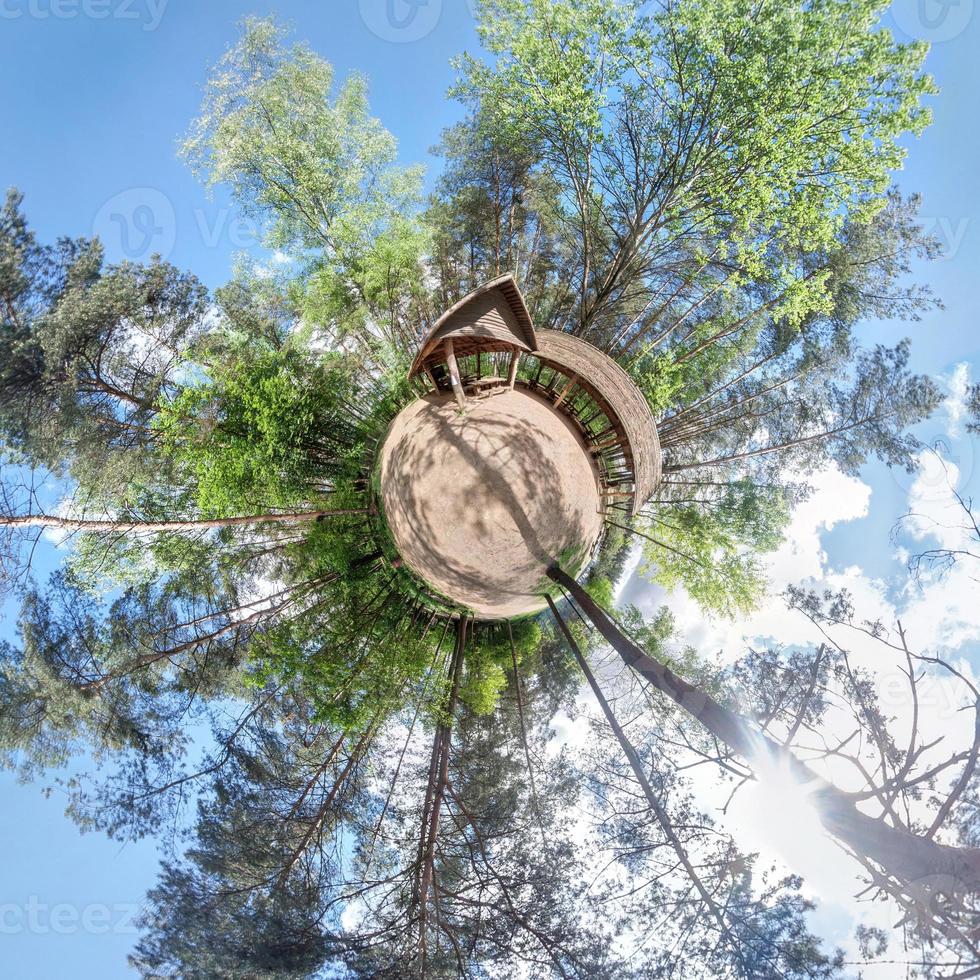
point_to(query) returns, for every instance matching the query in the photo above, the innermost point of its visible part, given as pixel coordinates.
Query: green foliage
(307, 156)
(311, 160)
(266, 430)
(714, 551)
(489, 661)
(565, 72)
(602, 589)
(86, 350)
(98, 565)
(668, 380)
(557, 63)
(90, 675)
(347, 677)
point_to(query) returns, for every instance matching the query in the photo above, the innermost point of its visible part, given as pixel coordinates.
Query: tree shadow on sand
(496, 463)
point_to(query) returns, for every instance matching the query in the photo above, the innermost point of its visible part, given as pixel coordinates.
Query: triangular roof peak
(491, 316)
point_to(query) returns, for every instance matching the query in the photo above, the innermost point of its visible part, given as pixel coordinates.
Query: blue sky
(97, 93)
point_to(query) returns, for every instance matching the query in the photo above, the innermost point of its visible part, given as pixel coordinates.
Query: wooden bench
(482, 386)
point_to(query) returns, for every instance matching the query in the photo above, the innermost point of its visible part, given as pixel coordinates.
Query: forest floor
(480, 503)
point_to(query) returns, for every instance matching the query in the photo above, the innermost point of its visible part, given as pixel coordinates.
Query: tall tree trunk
(765, 450)
(435, 793)
(914, 860)
(520, 715)
(633, 758)
(110, 526)
(325, 809)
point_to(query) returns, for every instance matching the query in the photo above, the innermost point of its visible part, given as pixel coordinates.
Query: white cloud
(836, 498)
(567, 732)
(933, 509)
(957, 383)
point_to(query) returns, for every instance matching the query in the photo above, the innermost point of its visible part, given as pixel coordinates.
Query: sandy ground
(479, 504)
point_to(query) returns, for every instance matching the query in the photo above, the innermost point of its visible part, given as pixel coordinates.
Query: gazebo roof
(492, 317)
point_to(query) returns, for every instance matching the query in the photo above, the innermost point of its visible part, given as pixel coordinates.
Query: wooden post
(512, 374)
(568, 387)
(454, 375)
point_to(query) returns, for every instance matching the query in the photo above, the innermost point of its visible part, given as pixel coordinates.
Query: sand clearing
(479, 504)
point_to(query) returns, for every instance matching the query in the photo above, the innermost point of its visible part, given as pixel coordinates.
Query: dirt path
(480, 503)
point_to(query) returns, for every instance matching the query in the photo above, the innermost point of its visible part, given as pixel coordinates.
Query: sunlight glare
(775, 815)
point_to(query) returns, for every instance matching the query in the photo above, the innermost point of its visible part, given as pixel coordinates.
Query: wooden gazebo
(465, 352)
(491, 319)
